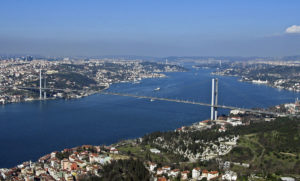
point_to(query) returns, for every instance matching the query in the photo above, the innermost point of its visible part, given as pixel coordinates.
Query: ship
(157, 89)
(259, 81)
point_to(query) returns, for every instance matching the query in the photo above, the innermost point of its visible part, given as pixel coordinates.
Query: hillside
(270, 148)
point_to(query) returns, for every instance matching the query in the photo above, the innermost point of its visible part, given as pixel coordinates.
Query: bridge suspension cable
(213, 106)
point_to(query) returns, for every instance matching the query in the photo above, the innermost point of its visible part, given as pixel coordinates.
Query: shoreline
(129, 140)
(126, 139)
(251, 81)
(198, 125)
(86, 93)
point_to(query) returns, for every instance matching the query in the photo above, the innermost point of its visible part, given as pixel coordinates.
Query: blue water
(31, 130)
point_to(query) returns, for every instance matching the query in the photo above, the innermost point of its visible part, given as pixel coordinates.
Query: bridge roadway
(166, 99)
(195, 103)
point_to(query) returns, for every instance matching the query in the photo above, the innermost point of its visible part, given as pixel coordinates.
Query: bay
(32, 129)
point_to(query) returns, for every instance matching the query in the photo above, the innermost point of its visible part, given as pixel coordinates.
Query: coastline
(199, 125)
(196, 126)
(257, 83)
(86, 94)
(151, 103)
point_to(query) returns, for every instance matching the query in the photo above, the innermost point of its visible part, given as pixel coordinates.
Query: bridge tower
(40, 84)
(45, 94)
(214, 99)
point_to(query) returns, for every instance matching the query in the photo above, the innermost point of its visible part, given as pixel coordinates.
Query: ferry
(259, 81)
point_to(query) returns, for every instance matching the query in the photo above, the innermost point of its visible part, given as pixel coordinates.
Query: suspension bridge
(214, 103)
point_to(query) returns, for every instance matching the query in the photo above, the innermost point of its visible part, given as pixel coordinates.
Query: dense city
(278, 74)
(21, 78)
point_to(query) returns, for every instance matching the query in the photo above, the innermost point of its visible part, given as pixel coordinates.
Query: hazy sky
(153, 27)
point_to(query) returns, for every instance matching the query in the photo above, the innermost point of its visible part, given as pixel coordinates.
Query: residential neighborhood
(22, 78)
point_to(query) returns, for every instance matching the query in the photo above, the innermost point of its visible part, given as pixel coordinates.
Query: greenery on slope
(126, 170)
(142, 152)
(184, 140)
(270, 148)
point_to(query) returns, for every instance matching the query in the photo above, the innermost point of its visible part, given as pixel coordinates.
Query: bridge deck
(192, 102)
(170, 100)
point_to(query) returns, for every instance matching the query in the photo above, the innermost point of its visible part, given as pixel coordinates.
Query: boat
(259, 81)
(151, 100)
(136, 82)
(157, 89)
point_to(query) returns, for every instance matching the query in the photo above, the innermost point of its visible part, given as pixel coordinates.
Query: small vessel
(136, 82)
(157, 89)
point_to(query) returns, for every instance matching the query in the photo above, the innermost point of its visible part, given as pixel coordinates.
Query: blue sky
(152, 28)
